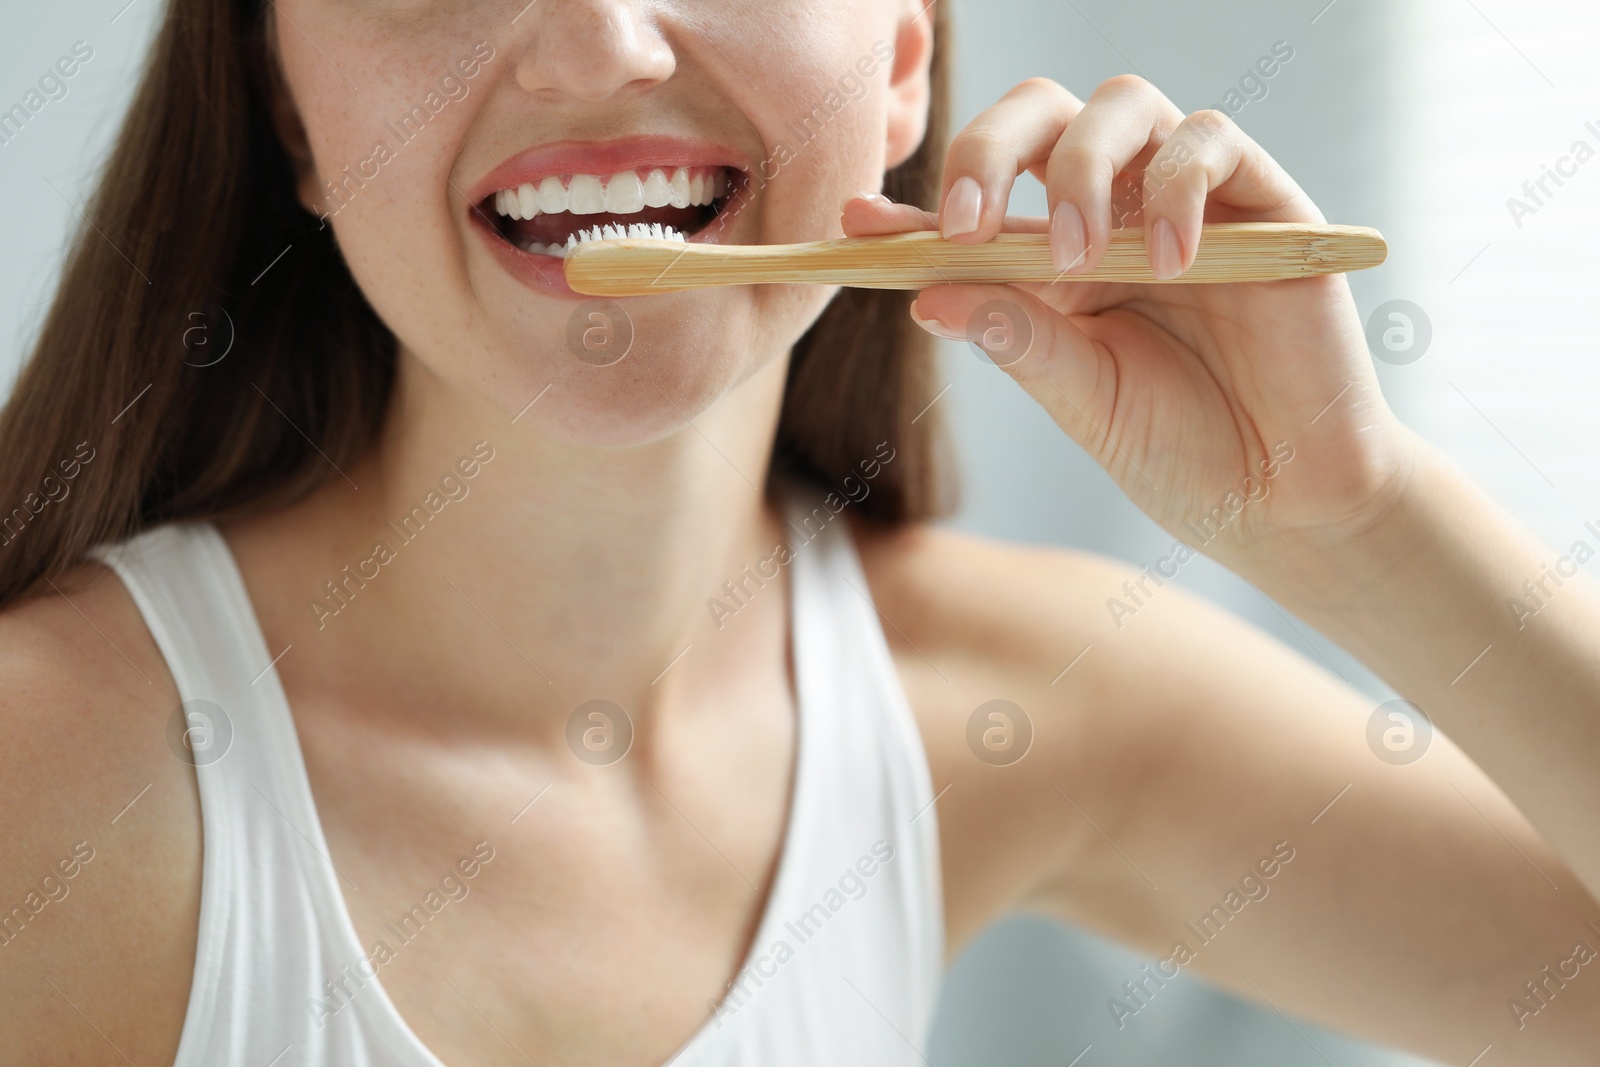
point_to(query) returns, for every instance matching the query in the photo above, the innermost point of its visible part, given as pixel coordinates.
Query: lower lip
(544, 274)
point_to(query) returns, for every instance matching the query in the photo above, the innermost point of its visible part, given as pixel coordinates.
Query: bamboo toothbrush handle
(1228, 252)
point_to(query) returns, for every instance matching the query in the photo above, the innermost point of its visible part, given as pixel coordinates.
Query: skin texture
(1175, 753)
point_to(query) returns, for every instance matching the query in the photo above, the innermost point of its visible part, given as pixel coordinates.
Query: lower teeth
(538, 249)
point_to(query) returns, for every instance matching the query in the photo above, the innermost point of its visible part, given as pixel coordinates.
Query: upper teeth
(624, 193)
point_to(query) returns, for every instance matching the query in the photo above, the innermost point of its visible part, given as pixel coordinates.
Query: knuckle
(1037, 84)
(1178, 152)
(976, 143)
(1210, 120)
(1033, 84)
(1125, 83)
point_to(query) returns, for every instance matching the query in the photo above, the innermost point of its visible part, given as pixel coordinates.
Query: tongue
(555, 228)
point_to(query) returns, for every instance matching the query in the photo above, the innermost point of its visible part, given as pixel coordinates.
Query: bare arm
(1417, 901)
(1197, 791)
(1494, 635)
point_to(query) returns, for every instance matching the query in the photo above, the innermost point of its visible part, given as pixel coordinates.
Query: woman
(611, 741)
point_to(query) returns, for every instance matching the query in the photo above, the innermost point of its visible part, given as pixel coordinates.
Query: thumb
(1070, 375)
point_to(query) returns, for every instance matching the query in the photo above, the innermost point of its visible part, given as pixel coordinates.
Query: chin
(629, 371)
(688, 354)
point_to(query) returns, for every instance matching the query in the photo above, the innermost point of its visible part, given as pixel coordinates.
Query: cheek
(383, 152)
(822, 122)
(372, 90)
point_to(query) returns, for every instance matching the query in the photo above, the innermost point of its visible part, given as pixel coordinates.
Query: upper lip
(601, 158)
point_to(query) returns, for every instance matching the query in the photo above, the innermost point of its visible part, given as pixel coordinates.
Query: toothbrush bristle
(613, 232)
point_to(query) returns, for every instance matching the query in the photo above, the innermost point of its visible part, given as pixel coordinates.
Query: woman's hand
(1183, 391)
(1249, 410)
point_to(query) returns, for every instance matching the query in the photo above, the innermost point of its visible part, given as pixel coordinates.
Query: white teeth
(680, 188)
(552, 195)
(586, 196)
(537, 248)
(657, 190)
(624, 194)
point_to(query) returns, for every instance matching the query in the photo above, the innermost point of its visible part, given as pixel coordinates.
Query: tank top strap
(273, 931)
(861, 914)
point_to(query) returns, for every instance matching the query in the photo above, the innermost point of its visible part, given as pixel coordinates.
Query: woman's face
(429, 128)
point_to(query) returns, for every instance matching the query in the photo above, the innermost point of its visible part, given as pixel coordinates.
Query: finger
(870, 214)
(1118, 123)
(985, 158)
(1070, 375)
(1209, 156)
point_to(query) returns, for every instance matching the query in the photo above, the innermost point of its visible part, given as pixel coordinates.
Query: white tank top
(846, 962)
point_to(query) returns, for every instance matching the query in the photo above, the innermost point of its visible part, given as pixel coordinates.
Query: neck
(525, 572)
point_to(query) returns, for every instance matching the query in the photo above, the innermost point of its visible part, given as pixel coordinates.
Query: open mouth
(558, 212)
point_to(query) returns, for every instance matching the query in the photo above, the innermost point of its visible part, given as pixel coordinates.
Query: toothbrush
(1228, 252)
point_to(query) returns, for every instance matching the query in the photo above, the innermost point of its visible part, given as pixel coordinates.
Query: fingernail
(1067, 239)
(962, 206)
(1166, 254)
(936, 327)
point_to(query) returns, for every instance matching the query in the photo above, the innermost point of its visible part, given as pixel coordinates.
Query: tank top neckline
(274, 922)
(295, 788)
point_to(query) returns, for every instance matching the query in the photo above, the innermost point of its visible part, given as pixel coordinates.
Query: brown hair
(122, 411)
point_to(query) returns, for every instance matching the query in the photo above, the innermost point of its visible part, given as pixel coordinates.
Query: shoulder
(976, 598)
(1051, 623)
(980, 633)
(100, 861)
(1053, 716)
(971, 621)
(1043, 620)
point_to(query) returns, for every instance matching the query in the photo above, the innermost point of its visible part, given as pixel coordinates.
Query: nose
(590, 49)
